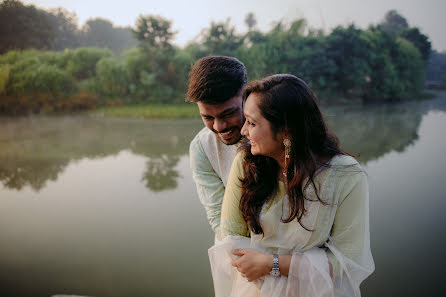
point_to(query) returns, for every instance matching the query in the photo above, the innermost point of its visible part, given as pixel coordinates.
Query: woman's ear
(284, 134)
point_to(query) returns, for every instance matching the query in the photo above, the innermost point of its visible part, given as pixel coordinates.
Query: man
(215, 84)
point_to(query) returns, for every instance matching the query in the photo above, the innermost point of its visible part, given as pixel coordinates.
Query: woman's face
(258, 130)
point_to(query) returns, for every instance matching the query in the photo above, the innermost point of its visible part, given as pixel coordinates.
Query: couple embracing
(288, 206)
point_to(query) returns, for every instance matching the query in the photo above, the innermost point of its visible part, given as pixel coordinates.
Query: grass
(151, 111)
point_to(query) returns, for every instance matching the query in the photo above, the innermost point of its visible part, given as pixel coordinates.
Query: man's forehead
(217, 109)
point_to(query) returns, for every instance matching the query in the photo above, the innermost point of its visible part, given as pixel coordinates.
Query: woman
(295, 212)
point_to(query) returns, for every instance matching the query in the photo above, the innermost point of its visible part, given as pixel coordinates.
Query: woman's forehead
(251, 107)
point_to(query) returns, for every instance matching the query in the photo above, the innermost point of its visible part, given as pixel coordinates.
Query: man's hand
(252, 264)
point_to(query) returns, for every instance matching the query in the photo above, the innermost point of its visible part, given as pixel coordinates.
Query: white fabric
(341, 239)
(219, 154)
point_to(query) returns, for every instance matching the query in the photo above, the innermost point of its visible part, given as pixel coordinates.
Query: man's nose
(219, 125)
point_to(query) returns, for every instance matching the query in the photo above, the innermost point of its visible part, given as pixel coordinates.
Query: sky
(189, 17)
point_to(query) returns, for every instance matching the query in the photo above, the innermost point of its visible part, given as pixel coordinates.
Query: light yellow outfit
(340, 236)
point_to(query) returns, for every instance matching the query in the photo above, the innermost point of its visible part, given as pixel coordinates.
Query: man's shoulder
(196, 144)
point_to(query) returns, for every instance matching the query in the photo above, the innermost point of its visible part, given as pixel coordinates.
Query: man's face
(225, 119)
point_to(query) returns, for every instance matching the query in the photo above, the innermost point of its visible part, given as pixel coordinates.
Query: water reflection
(36, 150)
(160, 174)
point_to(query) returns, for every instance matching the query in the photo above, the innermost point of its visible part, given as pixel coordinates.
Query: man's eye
(208, 118)
(229, 114)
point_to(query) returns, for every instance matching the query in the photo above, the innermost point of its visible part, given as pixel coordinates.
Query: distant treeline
(25, 26)
(387, 61)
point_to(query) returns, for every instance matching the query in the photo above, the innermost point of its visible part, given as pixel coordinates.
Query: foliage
(24, 27)
(221, 39)
(111, 77)
(102, 33)
(153, 31)
(394, 22)
(419, 40)
(350, 55)
(250, 21)
(64, 24)
(30, 77)
(384, 62)
(82, 61)
(4, 78)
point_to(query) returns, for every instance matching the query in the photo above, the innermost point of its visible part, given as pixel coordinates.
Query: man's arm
(210, 187)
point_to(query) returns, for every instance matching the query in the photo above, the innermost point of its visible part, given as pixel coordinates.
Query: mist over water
(107, 206)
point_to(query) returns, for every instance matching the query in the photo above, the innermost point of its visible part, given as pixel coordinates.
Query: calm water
(107, 207)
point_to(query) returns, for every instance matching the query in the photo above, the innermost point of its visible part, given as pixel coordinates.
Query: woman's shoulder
(344, 160)
(346, 167)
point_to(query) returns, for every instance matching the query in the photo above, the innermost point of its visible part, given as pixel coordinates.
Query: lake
(107, 206)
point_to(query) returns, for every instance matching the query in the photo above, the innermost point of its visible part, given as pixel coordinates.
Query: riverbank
(185, 110)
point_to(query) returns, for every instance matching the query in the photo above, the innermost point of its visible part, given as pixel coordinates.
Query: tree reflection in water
(160, 174)
(37, 149)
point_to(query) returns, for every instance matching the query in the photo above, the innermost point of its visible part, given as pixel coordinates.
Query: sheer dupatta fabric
(330, 260)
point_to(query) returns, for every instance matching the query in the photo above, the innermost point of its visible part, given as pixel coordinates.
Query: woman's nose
(244, 130)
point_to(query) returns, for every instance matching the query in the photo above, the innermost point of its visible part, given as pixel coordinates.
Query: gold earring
(287, 144)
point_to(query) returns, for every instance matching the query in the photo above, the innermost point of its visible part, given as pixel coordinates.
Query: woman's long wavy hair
(289, 105)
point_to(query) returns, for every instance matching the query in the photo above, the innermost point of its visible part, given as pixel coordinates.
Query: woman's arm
(253, 264)
(349, 238)
(232, 222)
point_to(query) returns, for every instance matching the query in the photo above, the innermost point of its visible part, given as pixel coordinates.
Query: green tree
(419, 40)
(153, 31)
(250, 21)
(394, 22)
(350, 54)
(221, 39)
(65, 26)
(24, 27)
(410, 67)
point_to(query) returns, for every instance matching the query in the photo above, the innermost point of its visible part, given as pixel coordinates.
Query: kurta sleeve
(347, 249)
(232, 222)
(210, 187)
(228, 282)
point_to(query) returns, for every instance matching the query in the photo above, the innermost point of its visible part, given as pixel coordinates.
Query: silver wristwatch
(275, 271)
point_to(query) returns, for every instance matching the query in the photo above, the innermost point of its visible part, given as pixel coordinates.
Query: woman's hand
(252, 264)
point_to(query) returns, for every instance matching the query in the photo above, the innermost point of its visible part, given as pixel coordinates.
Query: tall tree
(153, 30)
(221, 39)
(102, 33)
(250, 21)
(24, 27)
(65, 25)
(394, 22)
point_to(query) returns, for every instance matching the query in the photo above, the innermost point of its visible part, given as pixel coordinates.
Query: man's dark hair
(216, 79)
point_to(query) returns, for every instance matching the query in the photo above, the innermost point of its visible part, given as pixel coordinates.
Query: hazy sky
(189, 17)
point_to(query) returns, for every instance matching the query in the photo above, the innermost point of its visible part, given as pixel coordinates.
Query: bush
(81, 63)
(111, 77)
(79, 102)
(34, 78)
(4, 78)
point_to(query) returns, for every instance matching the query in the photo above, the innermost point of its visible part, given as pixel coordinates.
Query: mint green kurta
(340, 226)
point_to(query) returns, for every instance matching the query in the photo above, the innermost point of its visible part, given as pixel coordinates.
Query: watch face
(275, 272)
